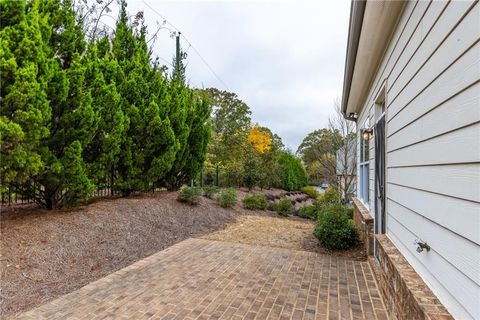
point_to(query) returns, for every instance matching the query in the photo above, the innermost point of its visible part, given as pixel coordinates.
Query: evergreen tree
(189, 113)
(102, 154)
(178, 73)
(199, 137)
(73, 114)
(73, 122)
(293, 173)
(150, 145)
(25, 70)
(165, 126)
(76, 185)
(196, 136)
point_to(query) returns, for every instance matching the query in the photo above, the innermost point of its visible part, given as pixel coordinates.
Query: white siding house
(417, 64)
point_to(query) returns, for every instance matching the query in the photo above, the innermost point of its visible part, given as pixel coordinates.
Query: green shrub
(330, 196)
(210, 191)
(308, 212)
(334, 230)
(227, 198)
(255, 202)
(293, 174)
(190, 195)
(311, 192)
(284, 207)
(349, 213)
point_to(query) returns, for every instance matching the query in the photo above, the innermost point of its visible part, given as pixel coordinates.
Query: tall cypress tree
(25, 70)
(108, 113)
(194, 137)
(102, 154)
(127, 173)
(189, 112)
(149, 148)
(161, 116)
(199, 136)
(178, 72)
(64, 180)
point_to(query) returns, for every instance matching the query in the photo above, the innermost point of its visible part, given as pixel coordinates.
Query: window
(380, 105)
(379, 180)
(363, 189)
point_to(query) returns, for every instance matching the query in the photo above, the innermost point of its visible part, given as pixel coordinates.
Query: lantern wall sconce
(367, 133)
(352, 116)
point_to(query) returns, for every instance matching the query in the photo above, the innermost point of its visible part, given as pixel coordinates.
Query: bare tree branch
(346, 165)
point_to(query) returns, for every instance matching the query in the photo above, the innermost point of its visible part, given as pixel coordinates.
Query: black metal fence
(13, 196)
(213, 175)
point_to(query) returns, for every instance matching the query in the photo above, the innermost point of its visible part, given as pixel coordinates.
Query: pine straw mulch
(46, 254)
(274, 231)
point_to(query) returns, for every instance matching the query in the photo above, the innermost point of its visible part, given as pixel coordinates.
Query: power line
(113, 29)
(190, 45)
(165, 60)
(206, 63)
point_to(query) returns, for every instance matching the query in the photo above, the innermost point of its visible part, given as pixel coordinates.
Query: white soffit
(379, 21)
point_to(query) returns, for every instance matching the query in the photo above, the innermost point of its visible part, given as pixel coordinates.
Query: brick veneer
(406, 296)
(364, 223)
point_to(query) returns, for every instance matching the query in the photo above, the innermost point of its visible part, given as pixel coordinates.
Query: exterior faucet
(422, 245)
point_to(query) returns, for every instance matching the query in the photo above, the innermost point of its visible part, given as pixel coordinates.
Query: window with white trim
(364, 167)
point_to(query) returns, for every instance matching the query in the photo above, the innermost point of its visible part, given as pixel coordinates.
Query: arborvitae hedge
(75, 114)
(293, 173)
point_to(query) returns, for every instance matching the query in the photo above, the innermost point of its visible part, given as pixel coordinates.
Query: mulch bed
(271, 230)
(45, 254)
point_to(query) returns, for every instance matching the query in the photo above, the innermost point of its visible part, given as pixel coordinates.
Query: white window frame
(364, 169)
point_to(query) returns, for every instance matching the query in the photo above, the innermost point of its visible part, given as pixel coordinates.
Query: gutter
(357, 11)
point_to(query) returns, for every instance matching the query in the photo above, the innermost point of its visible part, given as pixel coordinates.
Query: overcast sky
(285, 59)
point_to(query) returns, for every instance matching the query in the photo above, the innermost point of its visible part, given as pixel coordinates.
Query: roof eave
(372, 24)
(354, 30)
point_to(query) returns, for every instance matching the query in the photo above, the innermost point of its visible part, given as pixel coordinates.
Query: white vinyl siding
(432, 73)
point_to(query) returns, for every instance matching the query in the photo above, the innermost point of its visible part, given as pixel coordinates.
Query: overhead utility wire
(163, 59)
(190, 44)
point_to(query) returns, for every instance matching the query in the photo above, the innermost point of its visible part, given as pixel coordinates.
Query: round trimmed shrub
(334, 229)
(190, 195)
(284, 207)
(227, 198)
(255, 202)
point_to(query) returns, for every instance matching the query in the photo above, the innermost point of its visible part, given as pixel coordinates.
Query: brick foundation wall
(406, 295)
(364, 223)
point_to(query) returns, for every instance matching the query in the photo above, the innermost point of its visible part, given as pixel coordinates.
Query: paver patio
(204, 279)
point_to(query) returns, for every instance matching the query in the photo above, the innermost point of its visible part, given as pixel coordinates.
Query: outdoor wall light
(367, 133)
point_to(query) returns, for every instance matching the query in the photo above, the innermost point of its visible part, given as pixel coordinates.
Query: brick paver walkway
(203, 279)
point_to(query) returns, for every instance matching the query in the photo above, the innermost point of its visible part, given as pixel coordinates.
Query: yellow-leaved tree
(260, 139)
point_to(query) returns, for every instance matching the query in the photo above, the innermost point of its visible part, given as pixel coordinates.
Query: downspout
(354, 29)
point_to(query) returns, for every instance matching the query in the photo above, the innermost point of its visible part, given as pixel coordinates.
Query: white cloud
(284, 58)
